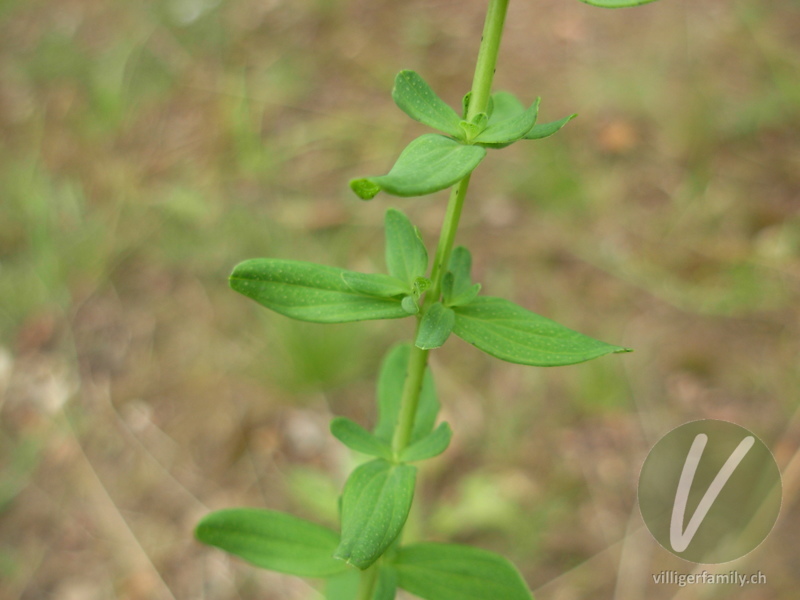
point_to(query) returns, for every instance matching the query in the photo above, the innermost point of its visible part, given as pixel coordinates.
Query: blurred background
(147, 147)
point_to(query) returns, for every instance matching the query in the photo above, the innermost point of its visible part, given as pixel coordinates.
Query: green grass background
(147, 147)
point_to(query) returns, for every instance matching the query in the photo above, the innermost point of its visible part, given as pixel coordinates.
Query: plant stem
(367, 582)
(487, 57)
(446, 238)
(418, 359)
(481, 92)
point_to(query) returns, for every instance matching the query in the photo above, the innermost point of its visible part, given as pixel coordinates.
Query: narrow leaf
(435, 327)
(544, 130)
(416, 98)
(375, 505)
(507, 131)
(273, 540)
(355, 437)
(309, 292)
(510, 332)
(375, 284)
(390, 391)
(429, 446)
(406, 256)
(428, 164)
(616, 3)
(445, 571)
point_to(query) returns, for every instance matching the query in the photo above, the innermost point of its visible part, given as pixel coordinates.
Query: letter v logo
(678, 537)
(709, 491)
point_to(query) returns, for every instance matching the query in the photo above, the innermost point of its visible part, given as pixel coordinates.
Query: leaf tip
(339, 555)
(364, 188)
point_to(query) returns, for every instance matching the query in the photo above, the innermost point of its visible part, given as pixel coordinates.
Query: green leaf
(465, 105)
(375, 505)
(512, 333)
(506, 106)
(435, 327)
(375, 284)
(429, 446)
(420, 285)
(387, 584)
(409, 304)
(273, 540)
(502, 133)
(406, 256)
(445, 571)
(466, 296)
(355, 437)
(428, 164)
(390, 391)
(616, 3)
(416, 98)
(471, 129)
(345, 586)
(460, 265)
(309, 292)
(457, 286)
(544, 130)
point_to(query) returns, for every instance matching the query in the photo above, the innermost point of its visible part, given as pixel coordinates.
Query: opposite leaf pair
(433, 162)
(287, 544)
(322, 294)
(425, 441)
(378, 494)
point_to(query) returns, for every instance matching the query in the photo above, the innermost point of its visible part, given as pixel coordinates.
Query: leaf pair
(378, 494)
(288, 544)
(322, 294)
(433, 162)
(355, 437)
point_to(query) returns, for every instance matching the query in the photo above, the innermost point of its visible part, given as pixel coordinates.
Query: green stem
(487, 57)
(447, 237)
(418, 359)
(366, 585)
(481, 92)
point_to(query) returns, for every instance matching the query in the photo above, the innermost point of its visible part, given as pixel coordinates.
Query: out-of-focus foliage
(149, 146)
